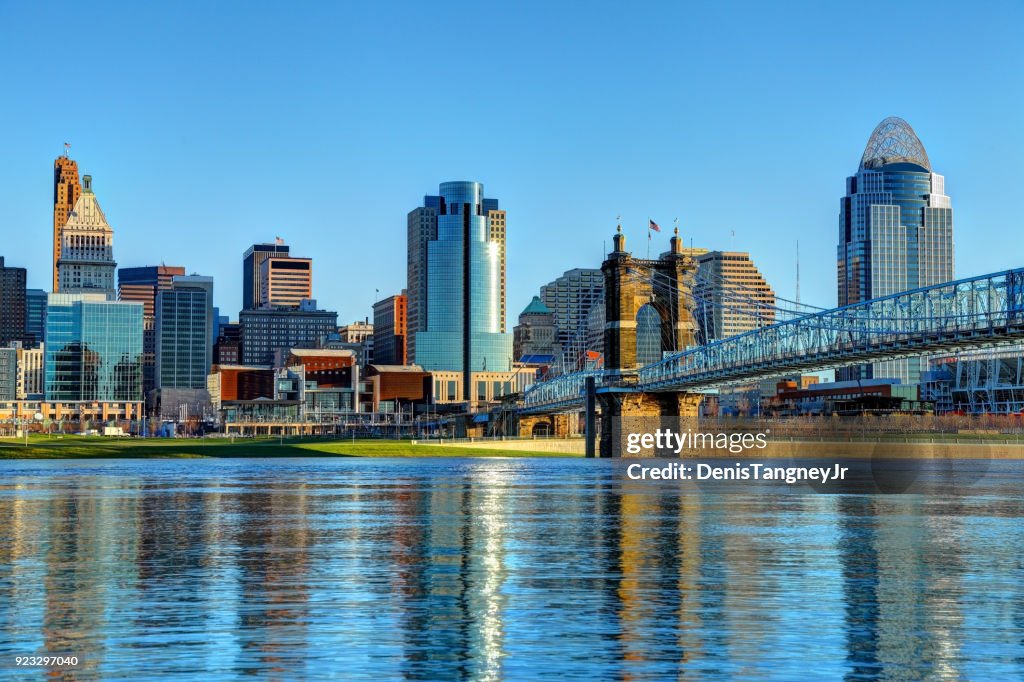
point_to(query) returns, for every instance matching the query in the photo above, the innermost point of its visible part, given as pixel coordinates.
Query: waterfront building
(30, 373)
(484, 387)
(456, 285)
(252, 271)
(141, 284)
(731, 296)
(86, 264)
(984, 381)
(536, 333)
(390, 325)
(66, 190)
(266, 330)
(232, 383)
(93, 349)
(13, 325)
(327, 381)
(573, 298)
(396, 386)
(35, 316)
(285, 282)
(895, 231)
(184, 320)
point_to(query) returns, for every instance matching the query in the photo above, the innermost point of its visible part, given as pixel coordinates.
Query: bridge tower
(631, 284)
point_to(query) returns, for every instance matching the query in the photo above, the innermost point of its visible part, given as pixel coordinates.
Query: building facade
(984, 381)
(390, 329)
(31, 374)
(573, 298)
(93, 349)
(267, 330)
(459, 321)
(285, 282)
(66, 190)
(536, 333)
(13, 326)
(731, 296)
(35, 316)
(895, 231)
(86, 264)
(141, 284)
(252, 271)
(184, 324)
(8, 373)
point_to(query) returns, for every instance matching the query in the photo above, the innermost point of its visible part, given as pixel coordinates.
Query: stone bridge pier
(547, 425)
(626, 412)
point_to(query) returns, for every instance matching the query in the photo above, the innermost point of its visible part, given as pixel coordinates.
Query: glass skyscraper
(93, 349)
(462, 325)
(895, 231)
(184, 324)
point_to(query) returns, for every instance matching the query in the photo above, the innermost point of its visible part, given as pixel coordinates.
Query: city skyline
(566, 156)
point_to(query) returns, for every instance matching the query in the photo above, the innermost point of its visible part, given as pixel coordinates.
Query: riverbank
(98, 447)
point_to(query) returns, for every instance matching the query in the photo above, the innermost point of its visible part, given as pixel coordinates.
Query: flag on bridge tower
(652, 227)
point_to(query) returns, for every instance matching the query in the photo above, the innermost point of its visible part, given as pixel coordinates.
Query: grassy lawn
(92, 447)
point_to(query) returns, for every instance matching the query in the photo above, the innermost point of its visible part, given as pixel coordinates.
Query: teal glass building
(895, 232)
(462, 325)
(93, 349)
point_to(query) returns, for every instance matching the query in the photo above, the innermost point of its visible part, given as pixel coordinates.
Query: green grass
(97, 447)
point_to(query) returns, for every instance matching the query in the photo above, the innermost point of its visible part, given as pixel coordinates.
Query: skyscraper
(252, 272)
(571, 298)
(86, 263)
(66, 190)
(93, 349)
(455, 277)
(895, 231)
(35, 316)
(184, 324)
(142, 284)
(731, 296)
(285, 282)
(268, 330)
(390, 330)
(12, 304)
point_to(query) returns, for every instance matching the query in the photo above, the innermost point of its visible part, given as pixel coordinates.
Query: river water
(487, 569)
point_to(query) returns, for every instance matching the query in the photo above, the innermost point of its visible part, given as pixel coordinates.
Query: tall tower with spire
(66, 190)
(86, 263)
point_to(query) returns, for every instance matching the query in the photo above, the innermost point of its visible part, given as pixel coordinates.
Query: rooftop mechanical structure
(894, 141)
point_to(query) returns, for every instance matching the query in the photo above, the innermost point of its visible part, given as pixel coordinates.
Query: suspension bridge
(982, 311)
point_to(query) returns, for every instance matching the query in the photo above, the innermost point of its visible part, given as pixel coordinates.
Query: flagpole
(648, 238)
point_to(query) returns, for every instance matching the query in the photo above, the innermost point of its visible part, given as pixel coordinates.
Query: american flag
(653, 226)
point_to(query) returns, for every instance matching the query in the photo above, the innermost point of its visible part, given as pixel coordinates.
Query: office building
(895, 231)
(12, 304)
(35, 316)
(86, 264)
(536, 335)
(93, 349)
(731, 296)
(141, 284)
(252, 271)
(457, 283)
(30, 373)
(390, 328)
(8, 373)
(267, 330)
(184, 320)
(571, 299)
(285, 282)
(228, 348)
(66, 190)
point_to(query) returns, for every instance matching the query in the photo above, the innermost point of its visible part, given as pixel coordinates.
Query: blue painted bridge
(982, 311)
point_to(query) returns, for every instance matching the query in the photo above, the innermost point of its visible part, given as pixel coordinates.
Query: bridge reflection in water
(486, 569)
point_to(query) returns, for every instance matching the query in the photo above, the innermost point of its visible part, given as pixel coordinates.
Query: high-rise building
(572, 298)
(252, 272)
(184, 320)
(66, 190)
(422, 229)
(12, 304)
(8, 373)
(895, 231)
(285, 282)
(35, 316)
(267, 330)
(86, 263)
(731, 296)
(536, 333)
(228, 348)
(390, 328)
(459, 324)
(93, 349)
(30, 373)
(141, 284)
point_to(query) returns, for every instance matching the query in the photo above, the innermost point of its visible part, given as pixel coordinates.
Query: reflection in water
(487, 570)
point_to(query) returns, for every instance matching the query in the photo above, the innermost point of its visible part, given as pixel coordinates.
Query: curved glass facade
(895, 234)
(464, 316)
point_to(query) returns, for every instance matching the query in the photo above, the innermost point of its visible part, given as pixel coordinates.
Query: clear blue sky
(210, 126)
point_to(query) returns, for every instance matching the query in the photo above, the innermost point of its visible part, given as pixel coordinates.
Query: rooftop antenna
(798, 274)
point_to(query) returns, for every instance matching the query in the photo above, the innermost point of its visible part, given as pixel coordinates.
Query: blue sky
(209, 128)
